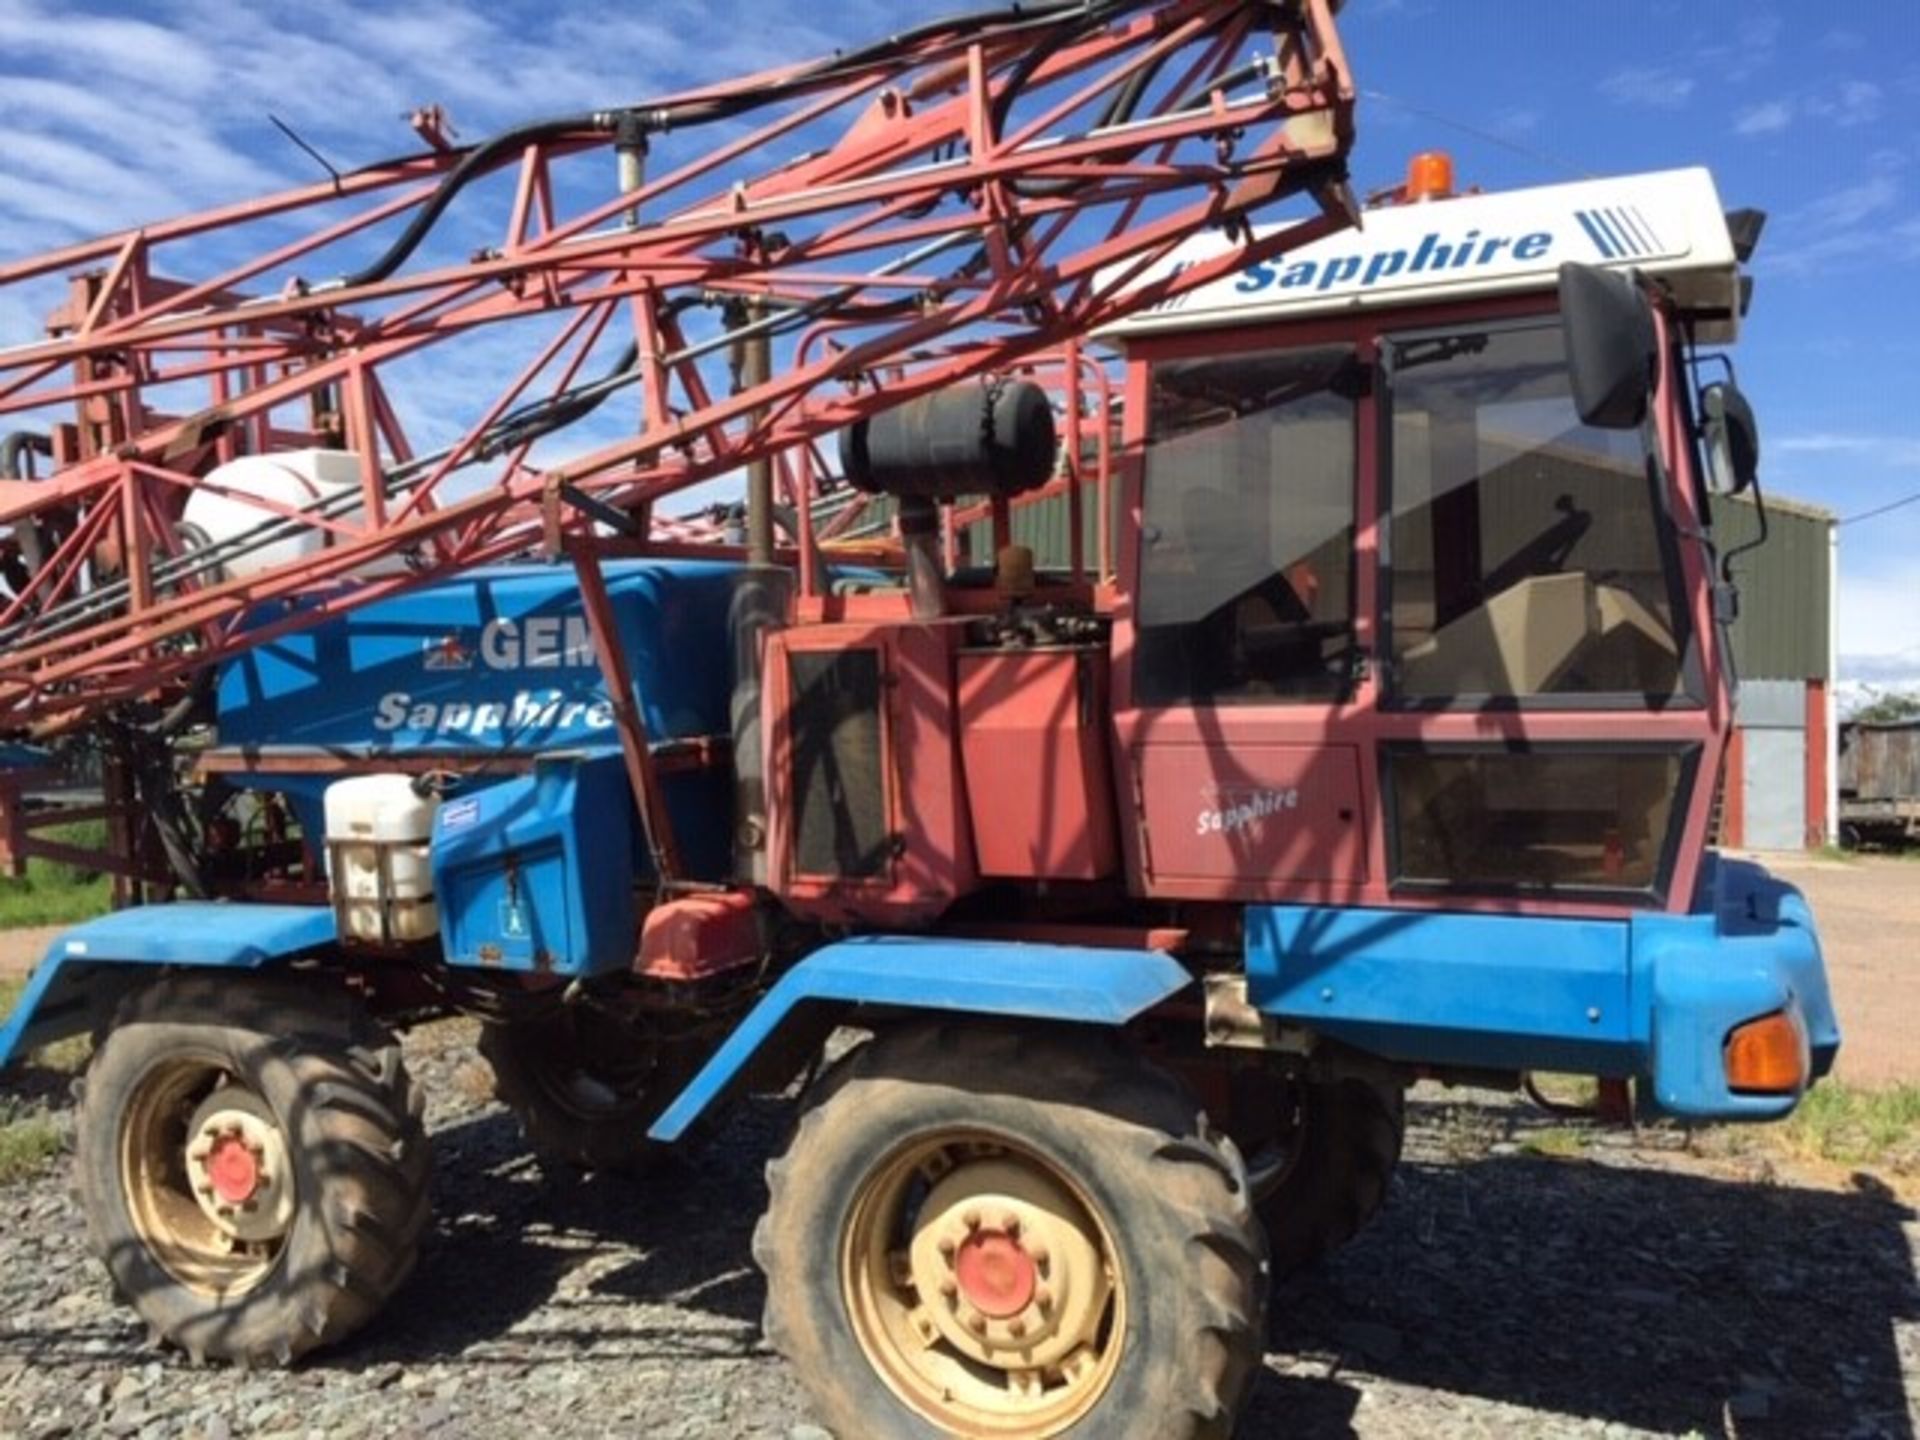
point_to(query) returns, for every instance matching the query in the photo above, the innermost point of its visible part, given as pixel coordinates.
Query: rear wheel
(1320, 1172)
(252, 1163)
(995, 1233)
(585, 1085)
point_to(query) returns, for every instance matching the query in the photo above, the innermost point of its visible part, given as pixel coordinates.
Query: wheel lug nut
(1016, 1328)
(946, 1248)
(971, 1219)
(1010, 1222)
(1043, 1298)
(977, 1324)
(1039, 1254)
(949, 1289)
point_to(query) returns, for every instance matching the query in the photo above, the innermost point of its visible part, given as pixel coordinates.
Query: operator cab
(1423, 603)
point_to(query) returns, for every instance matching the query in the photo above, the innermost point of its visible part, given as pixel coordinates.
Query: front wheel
(1012, 1234)
(252, 1164)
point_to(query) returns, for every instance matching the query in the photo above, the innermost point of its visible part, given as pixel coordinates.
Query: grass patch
(54, 893)
(1556, 1142)
(29, 1141)
(1850, 1125)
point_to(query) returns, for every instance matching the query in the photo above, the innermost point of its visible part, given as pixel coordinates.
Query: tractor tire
(1012, 1233)
(1338, 1161)
(252, 1164)
(584, 1099)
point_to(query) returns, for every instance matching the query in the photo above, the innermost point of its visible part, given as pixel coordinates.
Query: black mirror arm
(1759, 504)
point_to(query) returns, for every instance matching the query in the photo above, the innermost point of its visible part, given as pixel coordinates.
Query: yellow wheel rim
(207, 1178)
(983, 1286)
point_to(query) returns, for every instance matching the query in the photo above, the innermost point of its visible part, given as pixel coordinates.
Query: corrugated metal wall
(1043, 528)
(1782, 630)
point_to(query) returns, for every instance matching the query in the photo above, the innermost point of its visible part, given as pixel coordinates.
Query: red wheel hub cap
(995, 1274)
(233, 1170)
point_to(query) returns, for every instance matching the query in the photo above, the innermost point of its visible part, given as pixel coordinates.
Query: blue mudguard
(941, 974)
(66, 996)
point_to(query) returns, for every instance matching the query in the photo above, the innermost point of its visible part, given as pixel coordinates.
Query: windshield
(1526, 551)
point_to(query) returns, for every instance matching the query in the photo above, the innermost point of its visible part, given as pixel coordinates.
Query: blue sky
(112, 114)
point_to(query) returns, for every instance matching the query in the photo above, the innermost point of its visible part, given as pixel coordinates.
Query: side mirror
(1612, 347)
(1732, 438)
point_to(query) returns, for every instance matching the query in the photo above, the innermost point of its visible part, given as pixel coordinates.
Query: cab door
(1241, 646)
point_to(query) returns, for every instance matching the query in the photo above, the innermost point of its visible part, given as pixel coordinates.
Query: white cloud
(1845, 225)
(1894, 450)
(1845, 104)
(158, 58)
(1850, 103)
(1749, 49)
(1649, 86)
(1857, 202)
(1766, 119)
(1879, 626)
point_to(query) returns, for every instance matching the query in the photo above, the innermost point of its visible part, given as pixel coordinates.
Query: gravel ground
(1638, 1288)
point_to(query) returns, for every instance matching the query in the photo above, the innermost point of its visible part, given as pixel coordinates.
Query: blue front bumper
(1652, 997)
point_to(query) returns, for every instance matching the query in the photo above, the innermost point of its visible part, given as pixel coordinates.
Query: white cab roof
(1669, 224)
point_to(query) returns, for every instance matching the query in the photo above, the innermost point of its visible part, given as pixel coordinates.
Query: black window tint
(1526, 550)
(1535, 820)
(1246, 589)
(839, 795)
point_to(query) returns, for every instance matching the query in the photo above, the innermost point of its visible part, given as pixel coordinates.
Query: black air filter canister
(970, 440)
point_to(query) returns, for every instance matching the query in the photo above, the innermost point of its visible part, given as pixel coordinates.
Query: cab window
(1246, 586)
(1525, 547)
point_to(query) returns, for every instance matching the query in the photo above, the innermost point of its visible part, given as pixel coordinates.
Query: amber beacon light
(1429, 176)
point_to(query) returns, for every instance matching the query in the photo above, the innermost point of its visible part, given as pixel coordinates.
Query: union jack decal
(448, 652)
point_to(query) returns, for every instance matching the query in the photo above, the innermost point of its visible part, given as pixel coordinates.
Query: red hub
(233, 1170)
(996, 1275)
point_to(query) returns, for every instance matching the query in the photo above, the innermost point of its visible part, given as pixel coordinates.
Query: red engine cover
(1033, 739)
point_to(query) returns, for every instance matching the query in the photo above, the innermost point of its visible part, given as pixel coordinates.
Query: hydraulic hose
(480, 159)
(18, 443)
(29, 538)
(659, 117)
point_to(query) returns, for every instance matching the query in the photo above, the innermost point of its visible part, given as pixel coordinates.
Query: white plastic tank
(379, 859)
(294, 479)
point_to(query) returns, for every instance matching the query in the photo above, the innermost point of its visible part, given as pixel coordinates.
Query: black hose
(30, 536)
(18, 443)
(477, 161)
(661, 117)
(542, 417)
